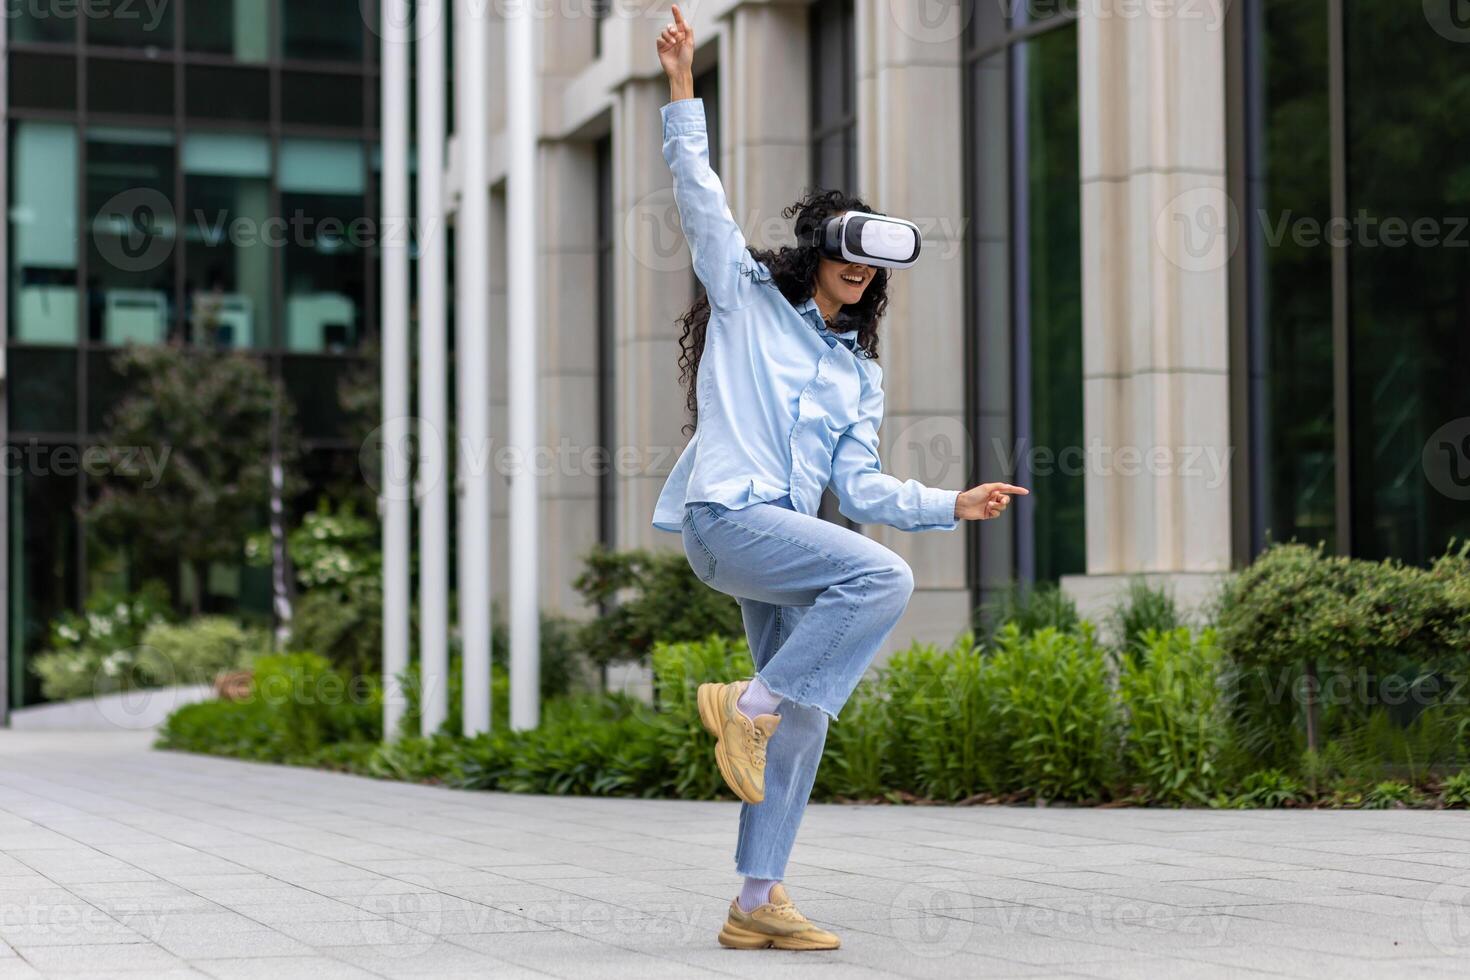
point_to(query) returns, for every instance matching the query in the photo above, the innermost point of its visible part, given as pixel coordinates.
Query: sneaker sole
(734, 937)
(708, 699)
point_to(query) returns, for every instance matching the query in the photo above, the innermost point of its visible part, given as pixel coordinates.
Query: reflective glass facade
(197, 173)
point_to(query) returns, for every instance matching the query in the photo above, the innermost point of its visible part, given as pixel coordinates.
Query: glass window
(322, 30)
(1408, 276)
(130, 267)
(137, 88)
(41, 23)
(43, 555)
(1289, 302)
(42, 81)
(130, 23)
(42, 389)
(1050, 258)
(43, 233)
(237, 28)
(213, 92)
(834, 104)
(312, 383)
(321, 99)
(227, 233)
(1024, 246)
(323, 203)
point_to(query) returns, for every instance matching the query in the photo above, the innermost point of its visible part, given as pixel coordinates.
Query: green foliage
(1177, 734)
(1389, 795)
(1057, 712)
(949, 706)
(338, 612)
(98, 651)
(1456, 790)
(205, 418)
(298, 705)
(1028, 609)
(1141, 610)
(195, 652)
(678, 670)
(1269, 788)
(649, 598)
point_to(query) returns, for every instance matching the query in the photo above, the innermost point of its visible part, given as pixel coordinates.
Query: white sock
(755, 893)
(758, 700)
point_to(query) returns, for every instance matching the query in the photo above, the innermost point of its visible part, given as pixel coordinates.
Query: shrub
(1029, 608)
(1176, 737)
(678, 670)
(648, 598)
(1269, 788)
(1141, 610)
(1389, 795)
(1456, 790)
(1056, 711)
(196, 651)
(311, 704)
(953, 720)
(97, 652)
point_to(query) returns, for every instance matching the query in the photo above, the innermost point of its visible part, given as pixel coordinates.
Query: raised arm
(869, 496)
(715, 241)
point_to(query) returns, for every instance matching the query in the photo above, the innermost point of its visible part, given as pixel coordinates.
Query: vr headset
(869, 239)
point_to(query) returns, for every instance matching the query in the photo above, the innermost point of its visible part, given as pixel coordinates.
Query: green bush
(194, 652)
(1456, 790)
(1057, 712)
(948, 702)
(1029, 609)
(1176, 729)
(1141, 610)
(98, 651)
(648, 598)
(1269, 788)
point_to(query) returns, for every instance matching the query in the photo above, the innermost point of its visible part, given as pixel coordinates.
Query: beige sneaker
(774, 925)
(740, 747)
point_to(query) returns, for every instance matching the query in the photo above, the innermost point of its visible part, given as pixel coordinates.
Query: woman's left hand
(986, 501)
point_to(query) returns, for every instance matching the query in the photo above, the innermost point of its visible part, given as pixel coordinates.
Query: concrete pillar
(433, 491)
(395, 494)
(569, 368)
(475, 467)
(1155, 351)
(910, 164)
(766, 154)
(654, 286)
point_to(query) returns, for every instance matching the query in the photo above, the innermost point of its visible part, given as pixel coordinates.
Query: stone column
(910, 164)
(654, 285)
(568, 367)
(1154, 254)
(765, 91)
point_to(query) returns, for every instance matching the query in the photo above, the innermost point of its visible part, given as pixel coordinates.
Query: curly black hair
(793, 271)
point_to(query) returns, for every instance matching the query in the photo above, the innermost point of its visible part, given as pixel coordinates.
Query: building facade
(1196, 273)
(195, 172)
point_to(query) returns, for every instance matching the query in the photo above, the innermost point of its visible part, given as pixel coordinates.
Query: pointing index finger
(679, 17)
(1008, 488)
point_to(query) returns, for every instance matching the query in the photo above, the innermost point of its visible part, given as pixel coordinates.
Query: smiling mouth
(855, 280)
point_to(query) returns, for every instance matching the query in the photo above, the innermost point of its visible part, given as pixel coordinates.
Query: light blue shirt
(785, 407)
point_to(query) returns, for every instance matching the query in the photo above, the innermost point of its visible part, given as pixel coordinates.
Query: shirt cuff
(683, 116)
(937, 508)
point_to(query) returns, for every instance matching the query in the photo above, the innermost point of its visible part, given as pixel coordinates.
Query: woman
(780, 363)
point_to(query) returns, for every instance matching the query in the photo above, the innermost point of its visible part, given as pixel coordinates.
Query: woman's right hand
(676, 48)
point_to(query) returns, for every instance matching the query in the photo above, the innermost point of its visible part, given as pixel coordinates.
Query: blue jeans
(818, 601)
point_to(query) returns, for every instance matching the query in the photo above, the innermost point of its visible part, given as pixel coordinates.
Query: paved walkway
(120, 861)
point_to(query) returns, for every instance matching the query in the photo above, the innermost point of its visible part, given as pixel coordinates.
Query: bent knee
(895, 581)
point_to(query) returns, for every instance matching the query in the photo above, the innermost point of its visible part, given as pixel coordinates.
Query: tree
(205, 418)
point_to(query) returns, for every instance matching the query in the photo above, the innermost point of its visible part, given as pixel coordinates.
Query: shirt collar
(813, 317)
